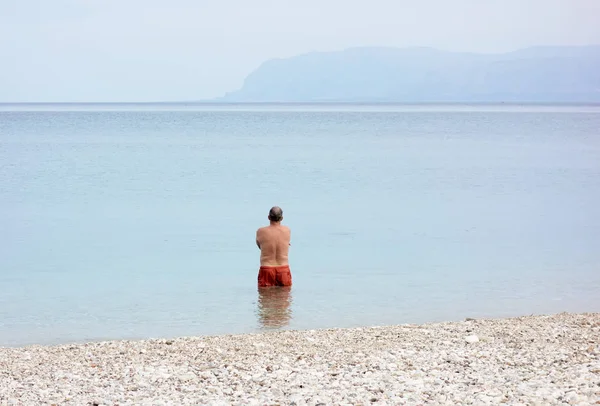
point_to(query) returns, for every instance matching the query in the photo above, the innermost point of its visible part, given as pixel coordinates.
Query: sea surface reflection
(274, 306)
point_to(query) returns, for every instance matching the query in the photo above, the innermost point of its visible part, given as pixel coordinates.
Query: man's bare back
(274, 243)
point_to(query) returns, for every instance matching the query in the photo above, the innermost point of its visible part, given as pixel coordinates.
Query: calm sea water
(136, 221)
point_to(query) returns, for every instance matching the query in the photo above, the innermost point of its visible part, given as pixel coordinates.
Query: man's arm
(257, 243)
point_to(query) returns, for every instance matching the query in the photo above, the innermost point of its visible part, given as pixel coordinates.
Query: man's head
(275, 214)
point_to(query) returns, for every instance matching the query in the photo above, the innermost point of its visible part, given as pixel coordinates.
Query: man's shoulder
(263, 229)
(268, 228)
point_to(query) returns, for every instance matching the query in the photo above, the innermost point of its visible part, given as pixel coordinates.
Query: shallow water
(133, 221)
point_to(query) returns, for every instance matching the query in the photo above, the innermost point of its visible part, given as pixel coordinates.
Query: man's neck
(275, 223)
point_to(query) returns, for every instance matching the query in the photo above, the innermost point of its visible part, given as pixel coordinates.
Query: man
(274, 242)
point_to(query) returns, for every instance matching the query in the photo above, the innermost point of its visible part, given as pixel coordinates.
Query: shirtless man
(274, 242)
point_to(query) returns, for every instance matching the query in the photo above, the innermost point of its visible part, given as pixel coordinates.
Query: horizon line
(366, 102)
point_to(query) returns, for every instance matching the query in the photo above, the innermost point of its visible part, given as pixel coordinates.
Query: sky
(185, 50)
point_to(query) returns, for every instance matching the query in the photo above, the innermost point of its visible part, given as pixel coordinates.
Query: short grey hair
(275, 214)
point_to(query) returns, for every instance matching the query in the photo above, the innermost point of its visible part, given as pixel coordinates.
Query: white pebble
(472, 339)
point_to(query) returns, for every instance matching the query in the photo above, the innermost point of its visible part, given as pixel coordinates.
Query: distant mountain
(539, 74)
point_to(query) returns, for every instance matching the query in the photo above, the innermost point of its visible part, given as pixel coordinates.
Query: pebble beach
(531, 360)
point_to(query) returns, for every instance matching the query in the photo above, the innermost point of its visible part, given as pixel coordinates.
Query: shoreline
(538, 359)
(279, 330)
(101, 341)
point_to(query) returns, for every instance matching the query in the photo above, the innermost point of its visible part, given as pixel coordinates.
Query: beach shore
(533, 360)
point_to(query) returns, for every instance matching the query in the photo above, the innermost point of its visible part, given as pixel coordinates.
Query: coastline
(545, 359)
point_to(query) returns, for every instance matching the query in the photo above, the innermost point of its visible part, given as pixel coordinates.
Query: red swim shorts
(274, 276)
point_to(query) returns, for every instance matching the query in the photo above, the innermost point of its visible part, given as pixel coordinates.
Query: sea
(138, 221)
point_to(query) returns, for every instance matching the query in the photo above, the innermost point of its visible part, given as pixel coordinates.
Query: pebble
(187, 377)
(533, 360)
(472, 339)
(572, 398)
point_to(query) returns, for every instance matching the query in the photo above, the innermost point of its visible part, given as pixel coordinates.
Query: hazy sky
(151, 50)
